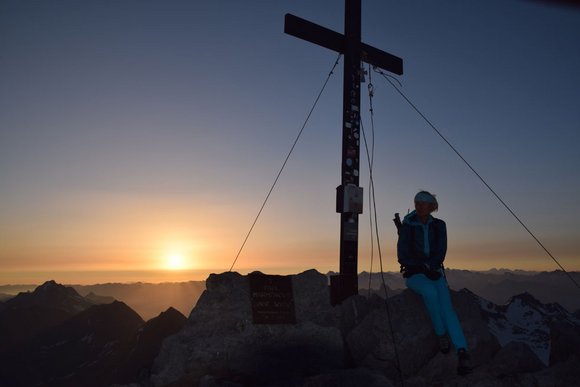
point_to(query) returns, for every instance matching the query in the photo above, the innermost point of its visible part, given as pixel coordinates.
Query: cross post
(349, 196)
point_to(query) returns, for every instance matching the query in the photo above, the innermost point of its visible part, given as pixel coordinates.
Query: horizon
(142, 137)
(159, 277)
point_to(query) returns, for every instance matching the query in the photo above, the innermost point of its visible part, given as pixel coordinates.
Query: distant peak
(48, 284)
(526, 298)
(171, 312)
(53, 289)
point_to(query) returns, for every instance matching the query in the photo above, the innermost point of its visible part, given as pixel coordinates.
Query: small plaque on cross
(272, 299)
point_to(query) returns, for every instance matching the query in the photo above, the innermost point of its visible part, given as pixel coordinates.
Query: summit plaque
(272, 299)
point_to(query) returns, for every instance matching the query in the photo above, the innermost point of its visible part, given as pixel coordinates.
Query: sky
(138, 139)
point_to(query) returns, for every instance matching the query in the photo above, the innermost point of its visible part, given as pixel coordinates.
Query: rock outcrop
(220, 339)
(365, 341)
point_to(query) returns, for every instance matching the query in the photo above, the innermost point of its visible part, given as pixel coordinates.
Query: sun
(177, 256)
(175, 261)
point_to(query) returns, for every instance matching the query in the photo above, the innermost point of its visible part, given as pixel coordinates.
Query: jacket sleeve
(403, 245)
(437, 255)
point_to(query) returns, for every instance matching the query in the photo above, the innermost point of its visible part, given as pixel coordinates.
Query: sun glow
(177, 255)
(175, 261)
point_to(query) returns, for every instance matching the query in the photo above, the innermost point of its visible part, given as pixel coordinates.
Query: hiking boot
(444, 344)
(463, 362)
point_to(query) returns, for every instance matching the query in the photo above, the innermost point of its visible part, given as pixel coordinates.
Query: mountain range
(53, 336)
(147, 299)
(496, 285)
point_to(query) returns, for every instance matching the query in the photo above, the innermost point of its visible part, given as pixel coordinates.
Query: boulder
(370, 342)
(220, 340)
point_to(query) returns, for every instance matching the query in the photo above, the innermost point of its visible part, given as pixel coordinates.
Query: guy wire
(286, 160)
(374, 213)
(478, 175)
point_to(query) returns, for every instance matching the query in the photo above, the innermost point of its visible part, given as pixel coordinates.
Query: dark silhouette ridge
(148, 342)
(29, 314)
(98, 300)
(101, 345)
(5, 297)
(149, 299)
(89, 345)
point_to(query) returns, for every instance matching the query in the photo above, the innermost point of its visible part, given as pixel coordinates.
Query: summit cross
(349, 193)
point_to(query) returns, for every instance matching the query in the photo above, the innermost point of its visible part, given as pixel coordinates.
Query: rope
(371, 183)
(373, 208)
(478, 175)
(286, 160)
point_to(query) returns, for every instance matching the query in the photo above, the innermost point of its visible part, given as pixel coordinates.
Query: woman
(421, 251)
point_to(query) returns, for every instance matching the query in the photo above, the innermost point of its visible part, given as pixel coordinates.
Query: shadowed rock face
(221, 339)
(350, 344)
(87, 349)
(371, 343)
(28, 314)
(91, 348)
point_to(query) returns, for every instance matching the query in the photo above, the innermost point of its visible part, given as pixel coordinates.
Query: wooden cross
(349, 194)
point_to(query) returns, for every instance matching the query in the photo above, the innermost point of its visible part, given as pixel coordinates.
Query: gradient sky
(131, 131)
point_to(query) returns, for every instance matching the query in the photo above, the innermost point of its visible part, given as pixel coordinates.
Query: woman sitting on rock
(421, 251)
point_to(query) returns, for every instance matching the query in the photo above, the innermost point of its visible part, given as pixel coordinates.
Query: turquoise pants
(438, 302)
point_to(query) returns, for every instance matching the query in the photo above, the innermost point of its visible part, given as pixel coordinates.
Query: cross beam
(349, 194)
(303, 29)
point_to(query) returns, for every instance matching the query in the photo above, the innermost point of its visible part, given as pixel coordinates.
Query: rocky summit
(259, 330)
(221, 341)
(365, 341)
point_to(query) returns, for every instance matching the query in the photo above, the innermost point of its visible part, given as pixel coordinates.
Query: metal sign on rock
(272, 299)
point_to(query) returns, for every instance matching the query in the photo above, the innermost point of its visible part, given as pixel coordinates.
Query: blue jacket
(422, 243)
